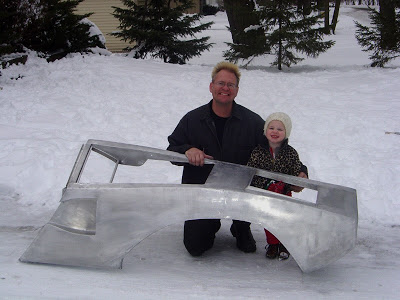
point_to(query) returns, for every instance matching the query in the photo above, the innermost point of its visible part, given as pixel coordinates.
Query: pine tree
(46, 26)
(159, 29)
(12, 20)
(382, 38)
(287, 31)
(59, 30)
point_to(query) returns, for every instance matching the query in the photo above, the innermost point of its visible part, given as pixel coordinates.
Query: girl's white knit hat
(279, 116)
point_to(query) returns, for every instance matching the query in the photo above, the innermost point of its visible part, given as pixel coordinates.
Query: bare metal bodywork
(97, 224)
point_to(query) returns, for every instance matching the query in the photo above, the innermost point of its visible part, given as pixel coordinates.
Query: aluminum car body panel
(97, 224)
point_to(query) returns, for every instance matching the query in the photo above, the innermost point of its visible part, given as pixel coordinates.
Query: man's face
(224, 87)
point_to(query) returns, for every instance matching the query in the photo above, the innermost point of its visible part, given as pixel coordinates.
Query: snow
(345, 119)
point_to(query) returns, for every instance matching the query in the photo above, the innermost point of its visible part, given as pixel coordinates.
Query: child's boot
(272, 251)
(283, 252)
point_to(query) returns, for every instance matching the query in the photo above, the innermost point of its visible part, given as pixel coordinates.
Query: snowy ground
(345, 119)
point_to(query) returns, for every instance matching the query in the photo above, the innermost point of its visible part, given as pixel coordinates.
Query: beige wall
(102, 16)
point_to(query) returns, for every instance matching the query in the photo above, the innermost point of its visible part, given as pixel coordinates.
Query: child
(280, 157)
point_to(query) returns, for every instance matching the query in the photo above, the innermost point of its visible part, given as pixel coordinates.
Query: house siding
(102, 16)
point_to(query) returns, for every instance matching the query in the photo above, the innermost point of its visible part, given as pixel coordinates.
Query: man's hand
(196, 156)
(298, 189)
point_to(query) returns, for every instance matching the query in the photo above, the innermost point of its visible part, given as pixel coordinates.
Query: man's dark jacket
(243, 131)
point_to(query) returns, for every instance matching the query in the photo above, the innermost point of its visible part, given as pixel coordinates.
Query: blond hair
(228, 66)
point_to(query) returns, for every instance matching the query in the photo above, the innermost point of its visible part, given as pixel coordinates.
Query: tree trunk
(307, 7)
(320, 4)
(304, 6)
(280, 39)
(335, 15)
(326, 15)
(240, 16)
(280, 53)
(387, 12)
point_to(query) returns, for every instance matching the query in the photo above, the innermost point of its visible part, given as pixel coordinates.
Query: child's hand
(298, 189)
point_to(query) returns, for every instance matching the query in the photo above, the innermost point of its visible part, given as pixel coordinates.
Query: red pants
(277, 187)
(271, 239)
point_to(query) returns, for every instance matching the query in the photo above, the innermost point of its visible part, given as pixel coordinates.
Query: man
(221, 130)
